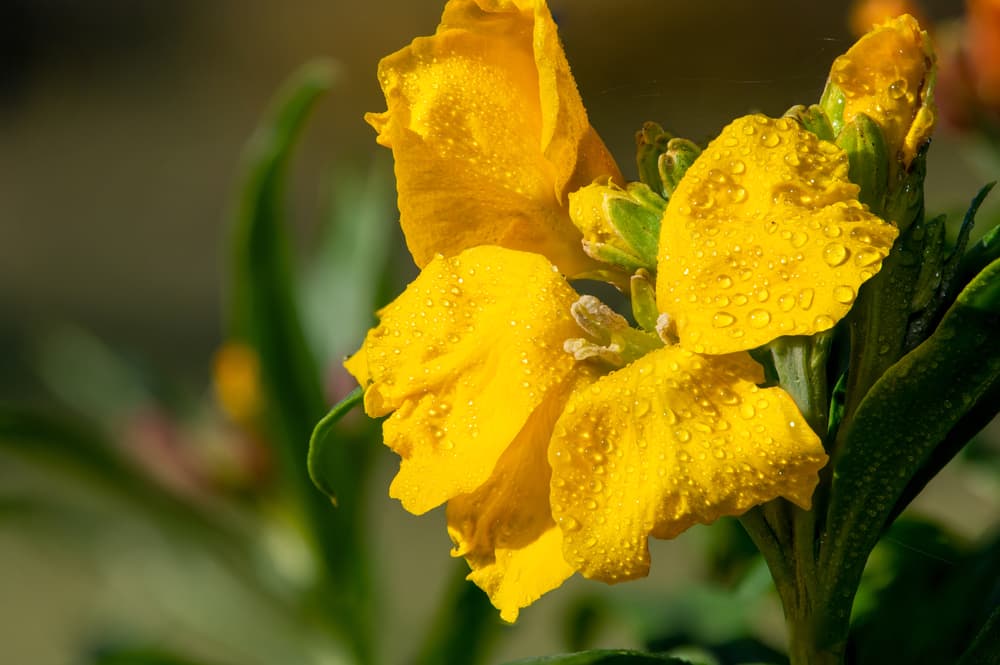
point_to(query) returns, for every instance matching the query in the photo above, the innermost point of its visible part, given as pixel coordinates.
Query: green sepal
(644, 309)
(812, 118)
(898, 425)
(604, 657)
(620, 227)
(864, 143)
(674, 163)
(651, 142)
(636, 217)
(832, 103)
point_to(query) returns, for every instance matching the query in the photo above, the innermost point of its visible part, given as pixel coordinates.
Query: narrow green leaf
(264, 314)
(949, 282)
(604, 657)
(140, 656)
(896, 428)
(985, 648)
(327, 455)
(983, 253)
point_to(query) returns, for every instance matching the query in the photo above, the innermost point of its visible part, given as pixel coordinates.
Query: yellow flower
(559, 437)
(489, 134)
(889, 76)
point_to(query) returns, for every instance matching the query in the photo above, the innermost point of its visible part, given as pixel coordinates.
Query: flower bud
(889, 76)
(862, 140)
(620, 226)
(674, 163)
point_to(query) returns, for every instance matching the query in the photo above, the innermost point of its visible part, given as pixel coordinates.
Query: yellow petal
(889, 76)
(489, 134)
(461, 359)
(672, 440)
(505, 529)
(764, 237)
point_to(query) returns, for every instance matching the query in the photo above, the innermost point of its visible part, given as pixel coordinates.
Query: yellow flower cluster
(495, 374)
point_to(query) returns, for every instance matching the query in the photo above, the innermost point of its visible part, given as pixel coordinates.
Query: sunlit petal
(765, 237)
(461, 360)
(672, 440)
(489, 135)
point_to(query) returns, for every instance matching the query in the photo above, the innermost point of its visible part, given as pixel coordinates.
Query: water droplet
(843, 294)
(747, 411)
(867, 257)
(763, 295)
(806, 298)
(832, 231)
(590, 504)
(786, 302)
(569, 524)
(799, 239)
(835, 254)
(823, 322)
(682, 435)
(723, 320)
(770, 139)
(897, 89)
(669, 415)
(724, 281)
(759, 318)
(739, 194)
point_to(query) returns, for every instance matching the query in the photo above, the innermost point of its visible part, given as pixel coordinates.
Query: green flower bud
(651, 142)
(674, 163)
(812, 118)
(862, 140)
(620, 226)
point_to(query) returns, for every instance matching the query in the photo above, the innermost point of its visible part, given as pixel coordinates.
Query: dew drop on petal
(867, 257)
(823, 322)
(723, 320)
(806, 298)
(843, 294)
(835, 254)
(759, 318)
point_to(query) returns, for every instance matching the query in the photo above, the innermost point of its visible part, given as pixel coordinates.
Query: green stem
(815, 638)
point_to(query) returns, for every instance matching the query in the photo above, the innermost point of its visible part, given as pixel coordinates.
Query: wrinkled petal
(461, 360)
(764, 237)
(672, 440)
(505, 529)
(489, 134)
(889, 76)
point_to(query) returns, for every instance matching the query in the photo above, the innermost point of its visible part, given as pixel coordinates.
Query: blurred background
(122, 124)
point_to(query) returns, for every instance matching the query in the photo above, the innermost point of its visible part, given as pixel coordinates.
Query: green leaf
(604, 657)
(913, 562)
(349, 266)
(264, 314)
(140, 656)
(985, 648)
(896, 428)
